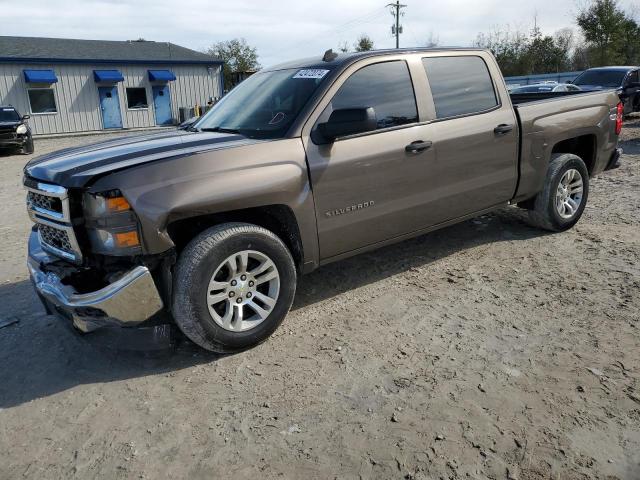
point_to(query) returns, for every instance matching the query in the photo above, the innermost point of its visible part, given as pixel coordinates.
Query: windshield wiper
(220, 129)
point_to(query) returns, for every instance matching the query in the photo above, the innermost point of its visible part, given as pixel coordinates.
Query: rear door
(475, 138)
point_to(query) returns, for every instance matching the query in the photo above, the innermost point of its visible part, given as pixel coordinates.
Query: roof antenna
(329, 56)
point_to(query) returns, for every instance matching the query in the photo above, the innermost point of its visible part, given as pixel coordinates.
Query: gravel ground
(485, 350)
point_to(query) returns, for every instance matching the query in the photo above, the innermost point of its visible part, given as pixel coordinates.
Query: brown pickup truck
(302, 164)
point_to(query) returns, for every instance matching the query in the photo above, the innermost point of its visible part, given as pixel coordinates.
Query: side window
(384, 86)
(459, 85)
(633, 77)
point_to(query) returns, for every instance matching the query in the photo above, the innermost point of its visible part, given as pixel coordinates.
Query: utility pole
(397, 28)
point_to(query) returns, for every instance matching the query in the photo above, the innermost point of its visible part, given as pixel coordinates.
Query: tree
(363, 44)
(237, 55)
(509, 48)
(602, 24)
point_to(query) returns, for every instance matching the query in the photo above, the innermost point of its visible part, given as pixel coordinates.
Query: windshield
(265, 105)
(9, 115)
(601, 78)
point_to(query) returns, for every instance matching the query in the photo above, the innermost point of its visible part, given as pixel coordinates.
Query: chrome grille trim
(48, 190)
(74, 254)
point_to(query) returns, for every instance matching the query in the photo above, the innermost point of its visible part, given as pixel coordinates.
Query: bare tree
(433, 40)
(343, 47)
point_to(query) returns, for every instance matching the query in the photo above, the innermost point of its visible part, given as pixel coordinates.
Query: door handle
(418, 146)
(502, 129)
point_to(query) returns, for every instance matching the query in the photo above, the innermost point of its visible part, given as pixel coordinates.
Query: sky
(282, 30)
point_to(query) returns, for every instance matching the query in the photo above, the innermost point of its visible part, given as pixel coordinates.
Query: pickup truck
(302, 164)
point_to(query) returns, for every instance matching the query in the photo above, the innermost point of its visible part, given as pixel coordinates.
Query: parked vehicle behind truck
(625, 80)
(302, 164)
(15, 132)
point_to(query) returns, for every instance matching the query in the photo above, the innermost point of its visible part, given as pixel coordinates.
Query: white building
(86, 85)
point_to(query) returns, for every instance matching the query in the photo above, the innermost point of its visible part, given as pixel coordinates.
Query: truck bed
(548, 119)
(519, 98)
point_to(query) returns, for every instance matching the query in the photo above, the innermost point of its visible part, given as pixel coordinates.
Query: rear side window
(459, 85)
(384, 86)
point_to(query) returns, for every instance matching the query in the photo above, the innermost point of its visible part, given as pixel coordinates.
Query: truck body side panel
(546, 123)
(257, 175)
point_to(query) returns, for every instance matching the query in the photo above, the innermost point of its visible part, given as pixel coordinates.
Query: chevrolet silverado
(302, 164)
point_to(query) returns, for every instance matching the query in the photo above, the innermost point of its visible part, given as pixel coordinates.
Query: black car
(624, 79)
(14, 130)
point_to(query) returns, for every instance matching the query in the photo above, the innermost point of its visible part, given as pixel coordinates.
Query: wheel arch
(279, 219)
(583, 146)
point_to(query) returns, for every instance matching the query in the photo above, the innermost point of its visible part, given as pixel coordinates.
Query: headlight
(22, 129)
(112, 226)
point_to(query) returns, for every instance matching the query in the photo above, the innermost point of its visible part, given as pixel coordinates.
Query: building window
(137, 98)
(42, 100)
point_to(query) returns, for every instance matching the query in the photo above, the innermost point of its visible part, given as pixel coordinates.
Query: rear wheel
(562, 201)
(234, 285)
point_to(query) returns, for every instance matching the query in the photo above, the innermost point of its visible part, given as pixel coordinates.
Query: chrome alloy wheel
(569, 193)
(243, 291)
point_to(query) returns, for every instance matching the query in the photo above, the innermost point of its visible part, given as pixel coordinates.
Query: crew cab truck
(302, 164)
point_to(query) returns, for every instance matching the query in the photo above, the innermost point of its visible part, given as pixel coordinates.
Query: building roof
(66, 50)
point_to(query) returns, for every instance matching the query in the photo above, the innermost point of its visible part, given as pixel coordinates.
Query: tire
(545, 212)
(28, 148)
(201, 304)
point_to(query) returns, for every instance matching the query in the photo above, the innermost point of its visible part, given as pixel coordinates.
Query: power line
(368, 17)
(397, 28)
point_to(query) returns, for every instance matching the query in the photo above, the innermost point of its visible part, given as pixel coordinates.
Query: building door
(110, 106)
(162, 104)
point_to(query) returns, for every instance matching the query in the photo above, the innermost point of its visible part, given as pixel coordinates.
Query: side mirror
(26, 117)
(569, 81)
(348, 121)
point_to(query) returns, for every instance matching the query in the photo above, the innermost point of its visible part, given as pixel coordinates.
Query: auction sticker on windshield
(311, 73)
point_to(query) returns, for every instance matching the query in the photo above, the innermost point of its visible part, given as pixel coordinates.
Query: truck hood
(76, 167)
(9, 125)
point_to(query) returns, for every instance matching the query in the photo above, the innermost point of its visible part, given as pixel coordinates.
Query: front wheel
(27, 148)
(560, 204)
(234, 285)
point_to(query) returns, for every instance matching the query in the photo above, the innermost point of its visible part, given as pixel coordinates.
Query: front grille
(7, 136)
(51, 204)
(48, 207)
(55, 238)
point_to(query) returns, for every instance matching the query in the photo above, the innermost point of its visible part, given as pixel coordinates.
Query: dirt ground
(485, 350)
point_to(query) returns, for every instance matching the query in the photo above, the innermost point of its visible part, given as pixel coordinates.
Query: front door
(367, 188)
(110, 106)
(162, 104)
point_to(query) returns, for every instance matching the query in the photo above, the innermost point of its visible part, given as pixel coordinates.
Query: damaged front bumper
(129, 301)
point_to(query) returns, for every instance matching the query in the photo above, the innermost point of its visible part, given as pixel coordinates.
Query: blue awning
(161, 76)
(40, 76)
(108, 76)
